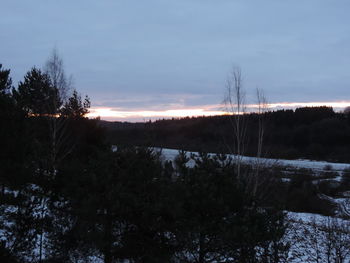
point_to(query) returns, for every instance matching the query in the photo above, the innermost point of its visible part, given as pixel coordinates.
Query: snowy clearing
(170, 154)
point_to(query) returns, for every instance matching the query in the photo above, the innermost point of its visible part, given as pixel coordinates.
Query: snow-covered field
(170, 154)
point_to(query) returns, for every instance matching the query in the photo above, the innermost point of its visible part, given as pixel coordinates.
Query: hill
(316, 133)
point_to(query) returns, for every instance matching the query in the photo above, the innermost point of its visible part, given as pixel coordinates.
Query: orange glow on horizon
(211, 110)
(105, 112)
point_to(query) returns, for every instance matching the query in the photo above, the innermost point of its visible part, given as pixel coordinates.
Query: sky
(141, 60)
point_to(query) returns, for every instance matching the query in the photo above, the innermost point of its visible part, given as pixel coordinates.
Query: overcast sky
(162, 55)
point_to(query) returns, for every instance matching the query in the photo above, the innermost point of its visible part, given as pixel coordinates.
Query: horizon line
(117, 114)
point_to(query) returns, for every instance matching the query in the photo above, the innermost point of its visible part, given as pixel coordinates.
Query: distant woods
(316, 133)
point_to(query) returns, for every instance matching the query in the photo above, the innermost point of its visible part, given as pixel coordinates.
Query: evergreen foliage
(36, 95)
(75, 107)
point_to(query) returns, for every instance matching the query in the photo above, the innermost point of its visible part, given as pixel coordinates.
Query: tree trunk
(108, 239)
(201, 249)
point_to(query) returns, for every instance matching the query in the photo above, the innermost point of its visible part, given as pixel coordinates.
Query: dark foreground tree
(31, 154)
(219, 221)
(36, 95)
(75, 107)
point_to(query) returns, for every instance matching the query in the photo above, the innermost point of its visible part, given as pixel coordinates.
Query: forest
(316, 133)
(67, 195)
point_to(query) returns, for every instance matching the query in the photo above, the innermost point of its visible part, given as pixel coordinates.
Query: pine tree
(36, 94)
(75, 107)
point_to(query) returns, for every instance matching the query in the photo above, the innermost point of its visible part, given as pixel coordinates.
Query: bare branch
(235, 104)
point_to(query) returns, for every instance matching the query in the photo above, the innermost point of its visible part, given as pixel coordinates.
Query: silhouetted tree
(54, 68)
(5, 81)
(36, 95)
(75, 107)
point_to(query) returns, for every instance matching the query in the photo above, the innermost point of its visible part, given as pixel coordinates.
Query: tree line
(317, 133)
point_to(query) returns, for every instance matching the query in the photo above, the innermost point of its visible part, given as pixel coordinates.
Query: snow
(170, 154)
(315, 238)
(307, 218)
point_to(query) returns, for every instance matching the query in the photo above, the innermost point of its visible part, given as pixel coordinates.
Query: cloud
(136, 55)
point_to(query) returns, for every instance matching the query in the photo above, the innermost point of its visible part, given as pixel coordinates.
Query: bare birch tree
(262, 106)
(58, 136)
(54, 68)
(235, 104)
